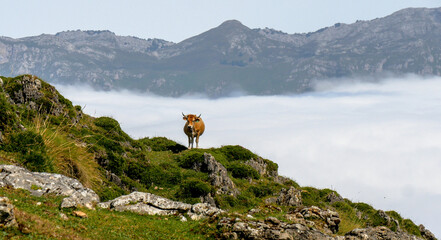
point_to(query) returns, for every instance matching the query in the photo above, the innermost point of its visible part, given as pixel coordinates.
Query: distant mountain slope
(232, 56)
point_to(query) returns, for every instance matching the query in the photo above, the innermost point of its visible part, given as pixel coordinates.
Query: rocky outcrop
(44, 183)
(30, 91)
(330, 218)
(7, 216)
(261, 167)
(334, 197)
(426, 233)
(274, 229)
(271, 228)
(151, 204)
(377, 233)
(218, 176)
(289, 197)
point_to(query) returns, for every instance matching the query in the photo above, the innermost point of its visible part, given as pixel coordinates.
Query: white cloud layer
(378, 143)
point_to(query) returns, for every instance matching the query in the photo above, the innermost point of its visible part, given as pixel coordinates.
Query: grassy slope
(69, 142)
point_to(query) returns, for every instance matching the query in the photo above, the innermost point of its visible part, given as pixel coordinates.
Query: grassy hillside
(43, 131)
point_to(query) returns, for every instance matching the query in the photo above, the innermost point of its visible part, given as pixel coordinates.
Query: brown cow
(194, 127)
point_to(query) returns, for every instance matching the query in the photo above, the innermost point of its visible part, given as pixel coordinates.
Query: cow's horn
(199, 115)
(183, 114)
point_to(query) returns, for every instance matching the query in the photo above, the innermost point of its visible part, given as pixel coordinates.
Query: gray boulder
(261, 167)
(7, 217)
(218, 176)
(426, 233)
(271, 228)
(44, 183)
(203, 210)
(378, 233)
(289, 197)
(146, 203)
(330, 218)
(151, 204)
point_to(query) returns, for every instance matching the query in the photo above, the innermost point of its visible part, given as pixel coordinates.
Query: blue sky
(176, 20)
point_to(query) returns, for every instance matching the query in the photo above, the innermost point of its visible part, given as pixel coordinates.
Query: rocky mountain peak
(89, 34)
(232, 24)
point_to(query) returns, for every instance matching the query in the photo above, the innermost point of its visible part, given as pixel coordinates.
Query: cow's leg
(189, 142)
(192, 141)
(197, 141)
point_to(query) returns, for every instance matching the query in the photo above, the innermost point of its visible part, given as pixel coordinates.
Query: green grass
(44, 222)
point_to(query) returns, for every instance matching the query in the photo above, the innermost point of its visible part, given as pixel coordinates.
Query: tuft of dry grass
(68, 157)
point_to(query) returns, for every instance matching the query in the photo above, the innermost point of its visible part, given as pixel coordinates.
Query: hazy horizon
(372, 142)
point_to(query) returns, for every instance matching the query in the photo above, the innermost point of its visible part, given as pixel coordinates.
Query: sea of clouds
(378, 143)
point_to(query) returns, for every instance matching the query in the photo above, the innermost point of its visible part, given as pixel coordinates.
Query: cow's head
(191, 120)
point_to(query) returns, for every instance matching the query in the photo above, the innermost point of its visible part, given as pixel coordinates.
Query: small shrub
(107, 193)
(107, 123)
(315, 197)
(225, 201)
(271, 166)
(32, 150)
(246, 199)
(12, 86)
(406, 224)
(117, 164)
(25, 142)
(110, 145)
(243, 171)
(45, 105)
(410, 227)
(7, 115)
(192, 188)
(163, 144)
(237, 153)
(152, 174)
(190, 159)
(261, 190)
(37, 162)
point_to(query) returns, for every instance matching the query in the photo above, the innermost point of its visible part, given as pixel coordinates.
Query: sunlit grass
(68, 157)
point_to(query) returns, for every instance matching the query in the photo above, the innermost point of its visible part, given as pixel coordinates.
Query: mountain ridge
(232, 56)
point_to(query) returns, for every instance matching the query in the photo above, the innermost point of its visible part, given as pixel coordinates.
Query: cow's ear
(197, 120)
(185, 118)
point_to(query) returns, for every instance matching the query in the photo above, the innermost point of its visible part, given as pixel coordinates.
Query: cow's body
(194, 128)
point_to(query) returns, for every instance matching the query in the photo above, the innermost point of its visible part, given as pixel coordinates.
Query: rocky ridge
(255, 61)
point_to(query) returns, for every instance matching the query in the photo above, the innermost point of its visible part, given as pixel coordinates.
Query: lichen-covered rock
(426, 233)
(44, 183)
(203, 210)
(7, 216)
(146, 203)
(334, 197)
(289, 197)
(261, 167)
(208, 199)
(330, 218)
(219, 177)
(272, 228)
(151, 204)
(378, 233)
